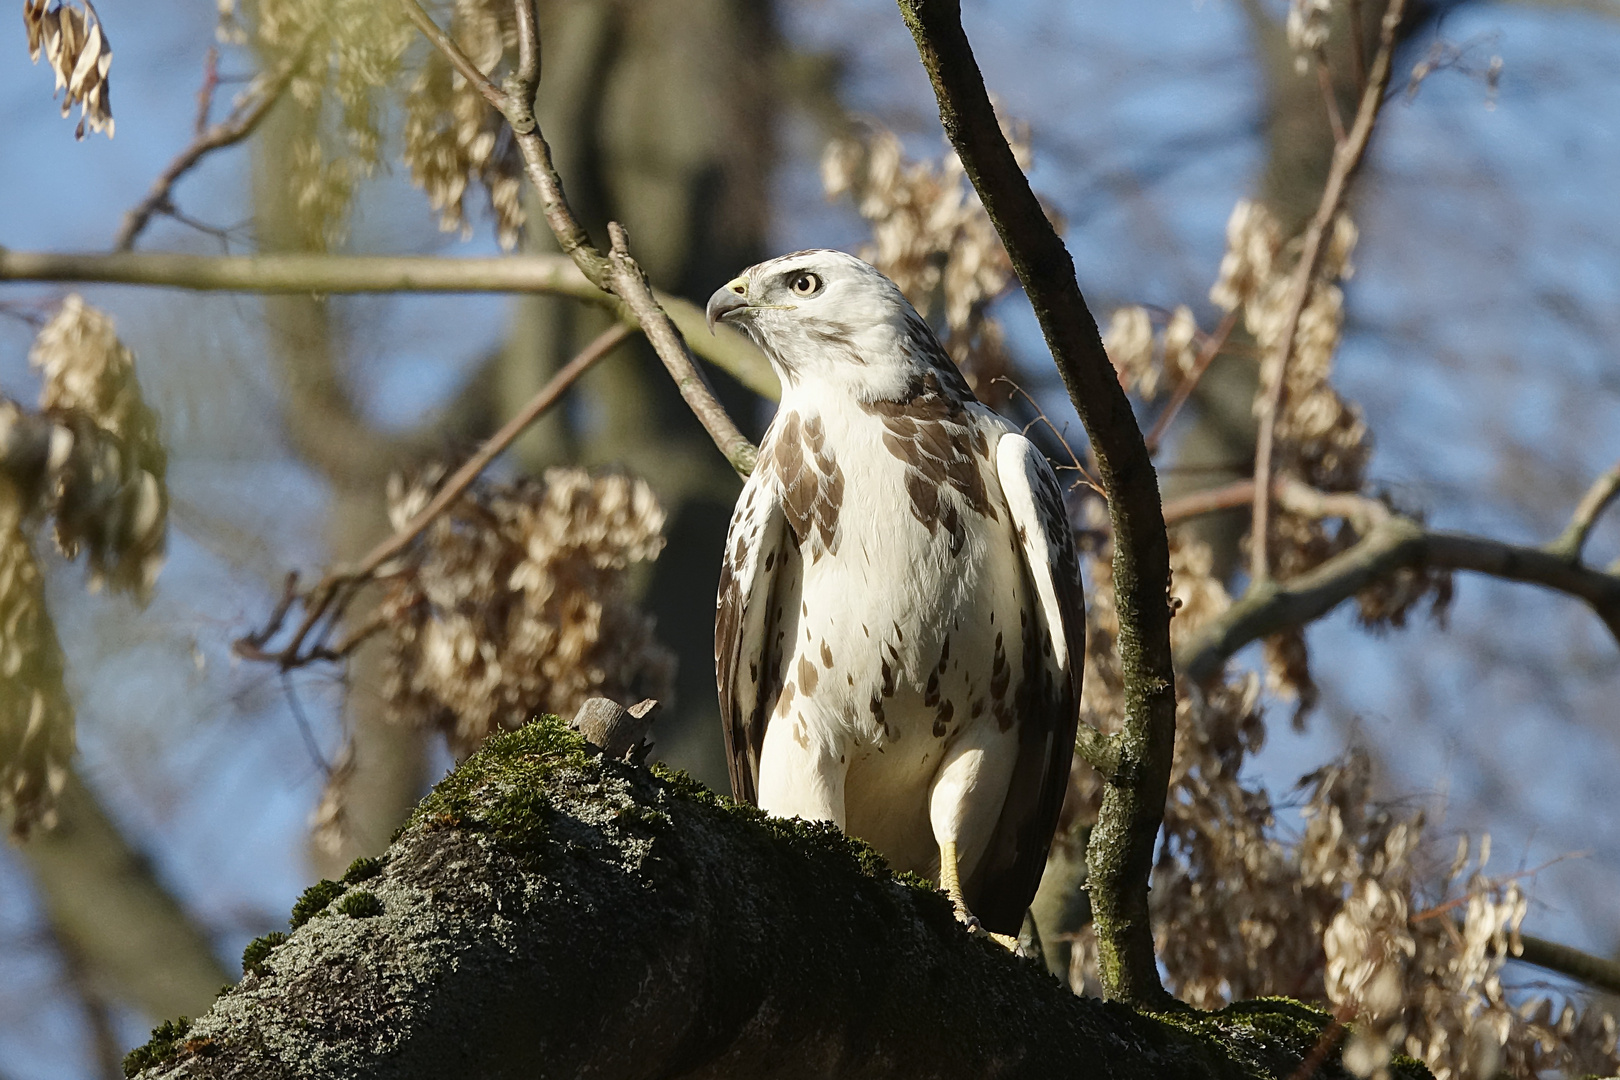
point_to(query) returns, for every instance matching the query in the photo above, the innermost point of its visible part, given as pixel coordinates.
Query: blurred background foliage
(1478, 333)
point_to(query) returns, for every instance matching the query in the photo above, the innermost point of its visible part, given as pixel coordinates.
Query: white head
(827, 317)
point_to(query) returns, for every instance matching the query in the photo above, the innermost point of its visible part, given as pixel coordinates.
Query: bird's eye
(805, 284)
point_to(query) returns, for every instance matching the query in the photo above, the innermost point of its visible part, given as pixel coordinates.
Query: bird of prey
(899, 633)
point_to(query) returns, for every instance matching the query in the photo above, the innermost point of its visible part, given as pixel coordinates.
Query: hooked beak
(729, 298)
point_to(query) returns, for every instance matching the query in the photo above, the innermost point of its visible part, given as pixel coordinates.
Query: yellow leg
(950, 879)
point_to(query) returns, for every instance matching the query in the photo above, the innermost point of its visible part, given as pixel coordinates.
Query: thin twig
(616, 272)
(1206, 355)
(205, 93)
(1041, 417)
(1603, 491)
(1209, 501)
(1491, 885)
(328, 600)
(463, 477)
(1274, 374)
(1330, 98)
(233, 129)
(452, 52)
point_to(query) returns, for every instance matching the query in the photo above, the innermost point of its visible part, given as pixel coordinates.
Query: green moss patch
(363, 869)
(258, 951)
(361, 904)
(315, 900)
(167, 1040)
(502, 787)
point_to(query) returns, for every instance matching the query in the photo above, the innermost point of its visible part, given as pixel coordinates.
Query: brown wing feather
(744, 633)
(1049, 707)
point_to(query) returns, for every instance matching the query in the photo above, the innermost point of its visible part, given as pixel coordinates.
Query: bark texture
(549, 913)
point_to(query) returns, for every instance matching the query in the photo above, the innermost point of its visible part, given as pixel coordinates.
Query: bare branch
(556, 275)
(1595, 971)
(326, 602)
(233, 129)
(619, 274)
(1206, 355)
(1572, 541)
(452, 52)
(1347, 157)
(1390, 542)
(1121, 852)
(549, 395)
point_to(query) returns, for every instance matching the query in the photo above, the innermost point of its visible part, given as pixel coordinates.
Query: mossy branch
(549, 913)
(1121, 852)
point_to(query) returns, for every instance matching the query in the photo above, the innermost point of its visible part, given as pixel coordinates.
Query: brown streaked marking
(1000, 672)
(807, 676)
(942, 718)
(826, 654)
(931, 692)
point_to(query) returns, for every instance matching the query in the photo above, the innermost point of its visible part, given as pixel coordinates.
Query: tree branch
(1595, 971)
(1572, 541)
(1121, 852)
(555, 275)
(326, 603)
(1389, 542)
(1206, 355)
(1347, 157)
(617, 273)
(551, 913)
(244, 118)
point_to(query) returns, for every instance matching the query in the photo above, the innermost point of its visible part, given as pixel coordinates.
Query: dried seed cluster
(76, 47)
(933, 238)
(454, 140)
(515, 602)
(1351, 909)
(91, 460)
(344, 55)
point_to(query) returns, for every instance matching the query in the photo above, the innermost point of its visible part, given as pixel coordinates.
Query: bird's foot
(976, 929)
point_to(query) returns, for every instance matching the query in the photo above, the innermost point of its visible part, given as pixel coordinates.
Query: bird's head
(827, 317)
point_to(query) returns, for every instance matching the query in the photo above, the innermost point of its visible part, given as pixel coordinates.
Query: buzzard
(900, 626)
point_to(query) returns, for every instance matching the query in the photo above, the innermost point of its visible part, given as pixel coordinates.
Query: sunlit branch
(616, 272)
(317, 273)
(325, 603)
(1347, 156)
(1389, 542)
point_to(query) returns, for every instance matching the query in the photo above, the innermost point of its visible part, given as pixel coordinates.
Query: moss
(1241, 1029)
(167, 1040)
(315, 900)
(361, 904)
(502, 787)
(363, 869)
(685, 785)
(258, 951)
